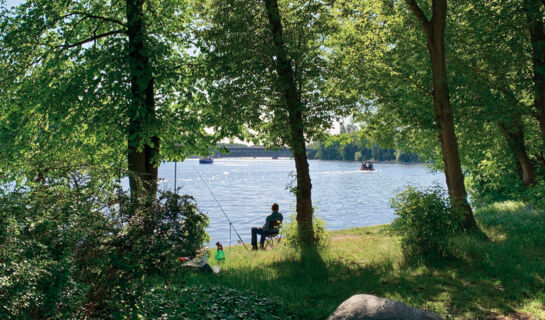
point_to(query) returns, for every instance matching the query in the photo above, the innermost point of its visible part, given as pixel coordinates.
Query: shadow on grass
(483, 280)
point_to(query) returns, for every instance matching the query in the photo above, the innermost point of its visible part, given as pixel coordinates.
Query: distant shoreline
(289, 158)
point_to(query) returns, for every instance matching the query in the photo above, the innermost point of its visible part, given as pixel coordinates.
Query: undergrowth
(207, 302)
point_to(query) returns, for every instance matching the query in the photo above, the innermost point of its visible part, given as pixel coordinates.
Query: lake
(344, 196)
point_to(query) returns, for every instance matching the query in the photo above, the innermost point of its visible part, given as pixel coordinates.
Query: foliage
(425, 223)
(145, 238)
(169, 227)
(66, 94)
(382, 60)
(238, 67)
(495, 97)
(40, 231)
(493, 182)
(67, 247)
(291, 233)
(536, 195)
(207, 302)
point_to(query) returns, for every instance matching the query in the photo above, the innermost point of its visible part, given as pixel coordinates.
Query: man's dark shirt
(273, 216)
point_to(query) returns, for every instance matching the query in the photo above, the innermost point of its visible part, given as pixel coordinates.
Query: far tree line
(353, 147)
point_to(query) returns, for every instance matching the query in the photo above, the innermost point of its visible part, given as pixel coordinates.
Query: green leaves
(382, 61)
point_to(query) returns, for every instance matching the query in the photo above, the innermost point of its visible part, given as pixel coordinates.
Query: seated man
(266, 230)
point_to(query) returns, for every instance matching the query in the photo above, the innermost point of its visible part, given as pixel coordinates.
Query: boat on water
(367, 166)
(208, 160)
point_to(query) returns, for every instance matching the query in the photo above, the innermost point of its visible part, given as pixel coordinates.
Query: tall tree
(142, 154)
(266, 71)
(288, 88)
(435, 34)
(534, 16)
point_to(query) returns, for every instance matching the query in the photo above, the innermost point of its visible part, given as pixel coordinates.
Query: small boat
(203, 160)
(367, 166)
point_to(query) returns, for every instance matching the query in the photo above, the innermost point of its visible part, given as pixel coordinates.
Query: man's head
(219, 245)
(274, 207)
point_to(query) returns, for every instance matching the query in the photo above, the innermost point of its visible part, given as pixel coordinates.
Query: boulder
(364, 306)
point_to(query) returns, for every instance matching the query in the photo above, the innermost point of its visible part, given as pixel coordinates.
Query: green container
(220, 255)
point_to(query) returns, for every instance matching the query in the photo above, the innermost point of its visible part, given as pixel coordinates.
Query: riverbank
(500, 279)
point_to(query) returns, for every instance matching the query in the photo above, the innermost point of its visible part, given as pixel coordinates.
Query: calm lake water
(344, 196)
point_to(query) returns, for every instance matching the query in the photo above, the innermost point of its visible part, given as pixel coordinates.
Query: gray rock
(364, 306)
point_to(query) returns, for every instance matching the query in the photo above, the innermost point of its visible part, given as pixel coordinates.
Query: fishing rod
(225, 214)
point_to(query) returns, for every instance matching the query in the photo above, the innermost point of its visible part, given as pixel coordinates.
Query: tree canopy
(80, 86)
(491, 82)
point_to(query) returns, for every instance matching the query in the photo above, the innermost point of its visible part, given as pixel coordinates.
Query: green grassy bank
(503, 278)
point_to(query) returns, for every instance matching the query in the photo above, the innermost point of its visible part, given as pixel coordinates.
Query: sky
(11, 3)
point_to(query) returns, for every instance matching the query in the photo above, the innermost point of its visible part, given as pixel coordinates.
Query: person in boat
(265, 229)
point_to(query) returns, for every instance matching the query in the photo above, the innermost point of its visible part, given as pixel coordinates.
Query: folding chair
(273, 239)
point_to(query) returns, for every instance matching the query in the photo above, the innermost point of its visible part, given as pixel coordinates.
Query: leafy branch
(417, 11)
(91, 39)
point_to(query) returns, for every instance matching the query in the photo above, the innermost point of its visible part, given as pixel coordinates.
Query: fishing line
(224, 213)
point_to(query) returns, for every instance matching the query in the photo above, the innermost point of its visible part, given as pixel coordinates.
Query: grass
(503, 278)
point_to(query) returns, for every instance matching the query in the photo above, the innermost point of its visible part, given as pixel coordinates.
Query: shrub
(145, 240)
(535, 195)
(160, 231)
(425, 222)
(41, 227)
(70, 248)
(496, 180)
(290, 233)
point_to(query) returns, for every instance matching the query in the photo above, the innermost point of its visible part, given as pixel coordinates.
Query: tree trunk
(435, 33)
(141, 154)
(292, 98)
(534, 19)
(514, 135)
